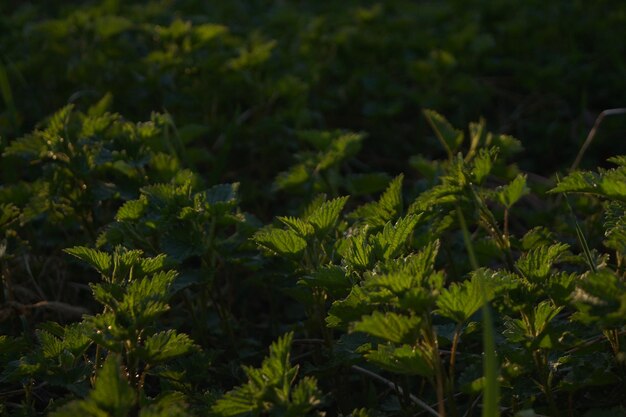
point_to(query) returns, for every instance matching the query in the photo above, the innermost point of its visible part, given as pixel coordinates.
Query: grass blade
(491, 390)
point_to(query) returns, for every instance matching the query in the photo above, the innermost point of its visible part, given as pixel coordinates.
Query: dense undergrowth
(185, 184)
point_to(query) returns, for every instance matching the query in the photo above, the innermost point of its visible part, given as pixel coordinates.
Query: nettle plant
(600, 295)
(204, 233)
(441, 291)
(271, 389)
(65, 183)
(367, 269)
(326, 167)
(72, 173)
(424, 282)
(126, 335)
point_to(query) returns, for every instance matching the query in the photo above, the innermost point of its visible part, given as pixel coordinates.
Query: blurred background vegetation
(240, 78)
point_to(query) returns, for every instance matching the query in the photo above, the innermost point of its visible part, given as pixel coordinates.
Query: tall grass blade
(491, 389)
(580, 235)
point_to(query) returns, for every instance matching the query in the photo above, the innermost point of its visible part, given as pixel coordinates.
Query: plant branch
(592, 134)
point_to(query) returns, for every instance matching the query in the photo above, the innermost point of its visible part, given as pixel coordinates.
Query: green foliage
(391, 239)
(449, 137)
(513, 191)
(459, 302)
(282, 242)
(271, 389)
(112, 395)
(403, 360)
(325, 217)
(600, 297)
(390, 326)
(164, 346)
(536, 264)
(387, 208)
(101, 261)
(285, 187)
(319, 170)
(607, 183)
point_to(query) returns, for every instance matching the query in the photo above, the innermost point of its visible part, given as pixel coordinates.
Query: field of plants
(313, 208)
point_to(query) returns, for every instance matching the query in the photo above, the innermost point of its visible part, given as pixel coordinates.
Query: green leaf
(387, 208)
(396, 282)
(76, 338)
(282, 242)
(429, 200)
(131, 210)
(506, 144)
(295, 176)
(600, 297)
(512, 192)
(107, 294)
(340, 149)
(112, 395)
(404, 360)
(303, 228)
(361, 412)
(392, 238)
(608, 183)
(537, 237)
(151, 265)
(30, 147)
(51, 346)
(270, 388)
(391, 200)
(615, 226)
(304, 397)
(459, 302)
(390, 326)
(449, 137)
(101, 261)
(483, 163)
(145, 298)
(237, 402)
(357, 251)
(420, 264)
(331, 278)
(222, 194)
(477, 133)
(544, 312)
(326, 215)
(112, 392)
(102, 106)
(350, 309)
(163, 346)
(618, 160)
(536, 264)
(8, 213)
(532, 330)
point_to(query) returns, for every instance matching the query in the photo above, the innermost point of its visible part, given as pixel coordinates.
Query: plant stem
(430, 337)
(455, 342)
(592, 134)
(506, 227)
(451, 375)
(393, 386)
